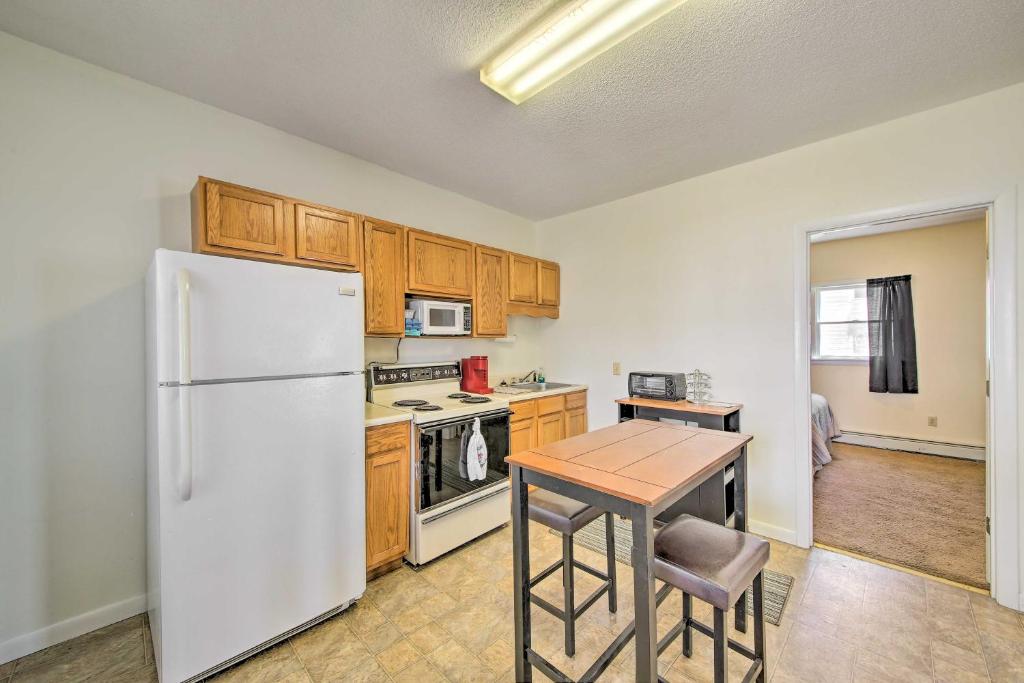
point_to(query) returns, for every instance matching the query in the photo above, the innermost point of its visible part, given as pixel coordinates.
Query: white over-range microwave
(442, 317)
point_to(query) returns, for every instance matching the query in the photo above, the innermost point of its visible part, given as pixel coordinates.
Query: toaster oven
(666, 386)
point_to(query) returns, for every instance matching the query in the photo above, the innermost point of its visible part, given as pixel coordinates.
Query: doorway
(1000, 479)
(898, 372)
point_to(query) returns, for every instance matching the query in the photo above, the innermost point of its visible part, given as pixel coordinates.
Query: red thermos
(474, 375)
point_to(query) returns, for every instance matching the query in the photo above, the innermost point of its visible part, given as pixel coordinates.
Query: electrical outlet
(933, 421)
(616, 367)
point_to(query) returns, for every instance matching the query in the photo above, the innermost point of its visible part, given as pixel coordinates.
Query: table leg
(521, 573)
(740, 501)
(643, 594)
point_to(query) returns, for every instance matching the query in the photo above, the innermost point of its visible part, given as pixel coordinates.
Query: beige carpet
(919, 511)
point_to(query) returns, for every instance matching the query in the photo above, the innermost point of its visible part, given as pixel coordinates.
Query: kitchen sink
(539, 386)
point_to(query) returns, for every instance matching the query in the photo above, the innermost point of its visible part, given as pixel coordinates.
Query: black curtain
(891, 339)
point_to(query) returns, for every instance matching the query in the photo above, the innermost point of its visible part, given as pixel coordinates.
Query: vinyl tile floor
(846, 620)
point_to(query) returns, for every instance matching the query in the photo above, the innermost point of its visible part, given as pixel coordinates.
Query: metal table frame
(644, 625)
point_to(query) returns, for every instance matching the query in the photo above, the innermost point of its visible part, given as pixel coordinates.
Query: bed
(823, 428)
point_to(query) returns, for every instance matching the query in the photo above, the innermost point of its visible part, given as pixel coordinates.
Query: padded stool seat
(564, 515)
(711, 562)
(716, 564)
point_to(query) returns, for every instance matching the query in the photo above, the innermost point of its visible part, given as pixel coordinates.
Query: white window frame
(815, 352)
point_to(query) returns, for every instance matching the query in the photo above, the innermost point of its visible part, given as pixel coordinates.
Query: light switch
(616, 367)
(933, 421)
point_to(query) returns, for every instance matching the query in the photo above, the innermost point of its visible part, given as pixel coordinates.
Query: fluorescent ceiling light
(567, 38)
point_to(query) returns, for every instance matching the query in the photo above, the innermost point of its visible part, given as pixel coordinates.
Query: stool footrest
(710, 633)
(578, 612)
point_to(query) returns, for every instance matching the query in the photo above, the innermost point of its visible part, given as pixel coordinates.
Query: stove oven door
(440, 468)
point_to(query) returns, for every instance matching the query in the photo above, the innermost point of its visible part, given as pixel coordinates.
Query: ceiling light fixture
(564, 40)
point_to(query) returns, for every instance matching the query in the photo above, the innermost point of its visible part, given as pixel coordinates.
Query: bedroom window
(840, 322)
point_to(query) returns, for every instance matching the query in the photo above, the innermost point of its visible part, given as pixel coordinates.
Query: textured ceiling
(714, 83)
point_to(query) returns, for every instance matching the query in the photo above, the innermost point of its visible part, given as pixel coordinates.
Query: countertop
(512, 398)
(379, 415)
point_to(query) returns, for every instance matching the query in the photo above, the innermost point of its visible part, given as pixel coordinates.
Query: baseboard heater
(899, 443)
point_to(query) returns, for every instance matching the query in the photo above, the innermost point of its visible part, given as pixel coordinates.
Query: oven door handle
(431, 520)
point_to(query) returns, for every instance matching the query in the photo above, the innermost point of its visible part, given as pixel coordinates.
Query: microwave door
(440, 319)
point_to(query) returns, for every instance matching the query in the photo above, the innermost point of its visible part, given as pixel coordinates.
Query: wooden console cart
(715, 499)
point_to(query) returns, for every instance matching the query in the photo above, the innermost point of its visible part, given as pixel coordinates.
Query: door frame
(1004, 464)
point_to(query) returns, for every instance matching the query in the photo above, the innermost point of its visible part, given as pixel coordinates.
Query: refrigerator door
(240, 319)
(273, 534)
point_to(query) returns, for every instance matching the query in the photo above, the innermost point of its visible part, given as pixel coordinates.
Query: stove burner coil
(409, 403)
(458, 394)
(476, 399)
(427, 408)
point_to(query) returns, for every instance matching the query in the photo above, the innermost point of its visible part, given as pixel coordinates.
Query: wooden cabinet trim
(389, 437)
(523, 410)
(350, 254)
(490, 299)
(522, 279)
(384, 277)
(576, 399)
(216, 215)
(551, 404)
(387, 507)
(439, 275)
(548, 283)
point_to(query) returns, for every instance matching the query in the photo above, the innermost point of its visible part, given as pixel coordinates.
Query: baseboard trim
(78, 625)
(771, 531)
(898, 443)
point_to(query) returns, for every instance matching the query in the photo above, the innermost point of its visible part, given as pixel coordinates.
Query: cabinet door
(384, 275)
(550, 428)
(490, 302)
(575, 422)
(239, 218)
(387, 507)
(439, 265)
(327, 236)
(522, 435)
(548, 275)
(522, 279)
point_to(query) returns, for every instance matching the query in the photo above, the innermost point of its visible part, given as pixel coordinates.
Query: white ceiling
(395, 82)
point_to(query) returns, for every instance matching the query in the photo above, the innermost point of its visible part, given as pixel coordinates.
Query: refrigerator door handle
(185, 380)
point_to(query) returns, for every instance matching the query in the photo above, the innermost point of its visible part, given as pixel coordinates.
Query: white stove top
(434, 392)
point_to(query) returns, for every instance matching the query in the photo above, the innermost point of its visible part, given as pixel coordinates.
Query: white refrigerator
(255, 465)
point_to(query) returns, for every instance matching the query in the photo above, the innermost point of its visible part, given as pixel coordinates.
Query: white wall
(95, 171)
(700, 273)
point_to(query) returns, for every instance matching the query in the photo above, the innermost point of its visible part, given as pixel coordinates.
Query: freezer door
(238, 319)
(273, 534)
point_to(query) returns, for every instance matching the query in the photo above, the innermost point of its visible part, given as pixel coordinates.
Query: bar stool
(716, 564)
(568, 516)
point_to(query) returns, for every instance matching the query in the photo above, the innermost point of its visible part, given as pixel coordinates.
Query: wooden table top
(638, 460)
(682, 406)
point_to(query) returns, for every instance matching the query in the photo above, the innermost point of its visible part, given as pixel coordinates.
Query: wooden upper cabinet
(384, 277)
(490, 305)
(243, 219)
(548, 285)
(327, 236)
(522, 279)
(439, 265)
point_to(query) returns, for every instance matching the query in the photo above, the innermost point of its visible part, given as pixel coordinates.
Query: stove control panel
(394, 374)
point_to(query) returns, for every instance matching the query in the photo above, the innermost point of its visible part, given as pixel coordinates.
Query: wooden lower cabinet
(550, 428)
(575, 422)
(522, 435)
(540, 421)
(387, 495)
